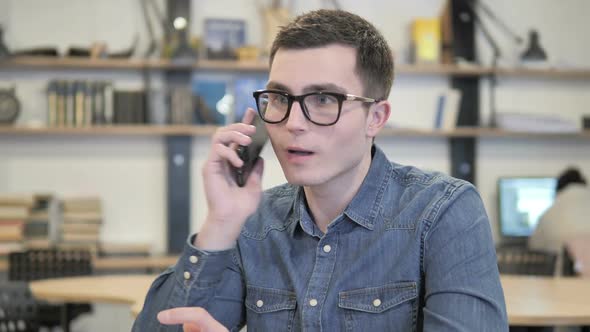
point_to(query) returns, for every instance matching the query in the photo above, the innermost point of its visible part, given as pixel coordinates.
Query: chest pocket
(391, 307)
(270, 309)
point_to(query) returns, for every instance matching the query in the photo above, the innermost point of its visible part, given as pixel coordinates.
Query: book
(17, 199)
(82, 217)
(70, 117)
(124, 249)
(61, 87)
(223, 37)
(79, 237)
(52, 106)
(181, 106)
(11, 231)
(244, 87)
(81, 204)
(447, 52)
(538, 123)
(447, 109)
(426, 40)
(36, 228)
(274, 16)
(37, 243)
(6, 247)
(81, 228)
(14, 212)
(211, 94)
(79, 92)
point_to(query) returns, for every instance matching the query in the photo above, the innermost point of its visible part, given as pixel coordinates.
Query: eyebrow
(330, 87)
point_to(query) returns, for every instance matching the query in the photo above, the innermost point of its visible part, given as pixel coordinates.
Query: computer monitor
(522, 201)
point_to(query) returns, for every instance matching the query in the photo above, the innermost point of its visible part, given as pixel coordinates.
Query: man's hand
(193, 319)
(228, 204)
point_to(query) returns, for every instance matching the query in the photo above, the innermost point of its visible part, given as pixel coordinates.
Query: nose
(296, 120)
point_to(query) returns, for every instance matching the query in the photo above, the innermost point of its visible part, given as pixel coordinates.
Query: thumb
(194, 319)
(190, 327)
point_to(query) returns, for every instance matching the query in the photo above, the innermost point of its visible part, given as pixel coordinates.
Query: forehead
(332, 64)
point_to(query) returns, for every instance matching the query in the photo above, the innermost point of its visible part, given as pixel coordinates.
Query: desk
(547, 301)
(130, 263)
(530, 301)
(125, 289)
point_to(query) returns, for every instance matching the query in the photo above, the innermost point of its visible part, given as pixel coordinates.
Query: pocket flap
(378, 299)
(262, 300)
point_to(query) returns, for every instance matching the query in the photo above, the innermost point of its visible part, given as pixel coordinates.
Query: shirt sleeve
(461, 280)
(207, 279)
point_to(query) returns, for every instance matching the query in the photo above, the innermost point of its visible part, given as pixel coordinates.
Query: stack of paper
(535, 123)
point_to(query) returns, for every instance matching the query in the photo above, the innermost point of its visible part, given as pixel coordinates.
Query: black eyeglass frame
(341, 97)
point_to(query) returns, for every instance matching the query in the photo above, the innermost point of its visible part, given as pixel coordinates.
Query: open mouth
(300, 152)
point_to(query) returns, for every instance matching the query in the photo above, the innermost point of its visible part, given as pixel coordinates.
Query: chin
(303, 179)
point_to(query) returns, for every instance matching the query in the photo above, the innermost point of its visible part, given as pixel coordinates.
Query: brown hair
(374, 60)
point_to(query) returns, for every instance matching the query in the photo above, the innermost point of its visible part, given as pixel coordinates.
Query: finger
(197, 317)
(249, 115)
(222, 152)
(245, 128)
(229, 137)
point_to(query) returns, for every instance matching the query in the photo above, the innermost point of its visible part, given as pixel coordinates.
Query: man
(352, 241)
(566, 220)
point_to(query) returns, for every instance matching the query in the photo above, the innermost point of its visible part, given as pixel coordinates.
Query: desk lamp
(534, 50)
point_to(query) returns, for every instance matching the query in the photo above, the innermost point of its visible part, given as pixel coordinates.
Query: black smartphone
(249, 154)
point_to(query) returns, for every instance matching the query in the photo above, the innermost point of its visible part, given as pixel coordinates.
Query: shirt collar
(366, 204)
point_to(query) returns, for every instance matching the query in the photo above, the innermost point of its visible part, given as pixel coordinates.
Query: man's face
(310, 154)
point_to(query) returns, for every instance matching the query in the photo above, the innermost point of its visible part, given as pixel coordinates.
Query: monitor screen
(522, 201)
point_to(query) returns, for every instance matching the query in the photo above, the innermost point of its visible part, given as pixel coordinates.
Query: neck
(328, 200)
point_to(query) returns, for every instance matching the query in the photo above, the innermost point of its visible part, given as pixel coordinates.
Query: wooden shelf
(123, 130)
(262, 66)
(186, 130)
(442, 70)
(75, 63)
(131, 64)
(546, 73)
(491, 133)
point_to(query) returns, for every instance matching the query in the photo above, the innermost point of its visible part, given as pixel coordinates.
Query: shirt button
(193, 259)
(327, 248)
(259, 303)
(187, 275)
(313, 302)
(376, 302)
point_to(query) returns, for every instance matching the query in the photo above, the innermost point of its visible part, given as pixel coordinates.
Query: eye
(277, 99)
(322, 99)
(282, 99)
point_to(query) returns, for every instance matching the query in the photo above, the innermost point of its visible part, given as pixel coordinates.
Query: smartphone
(249, 154)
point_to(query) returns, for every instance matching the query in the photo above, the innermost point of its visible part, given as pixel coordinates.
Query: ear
(377, 117)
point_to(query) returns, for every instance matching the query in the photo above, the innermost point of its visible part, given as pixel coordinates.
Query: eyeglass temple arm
(363, 99)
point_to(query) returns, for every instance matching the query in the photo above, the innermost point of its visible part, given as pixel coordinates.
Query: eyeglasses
(320, 108)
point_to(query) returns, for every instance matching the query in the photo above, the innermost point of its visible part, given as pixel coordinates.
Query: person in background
(353, 241)
(567, 218)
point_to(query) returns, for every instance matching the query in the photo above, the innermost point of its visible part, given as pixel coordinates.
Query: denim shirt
(412, 252)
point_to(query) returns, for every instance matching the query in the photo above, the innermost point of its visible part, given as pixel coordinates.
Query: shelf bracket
(178, 156)
(463, 150)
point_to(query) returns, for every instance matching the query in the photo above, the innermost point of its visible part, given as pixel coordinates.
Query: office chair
(52, 263)
(18, 308)
(516, 260)
(521, 260)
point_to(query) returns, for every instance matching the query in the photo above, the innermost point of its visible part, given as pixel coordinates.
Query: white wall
(130, 172)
